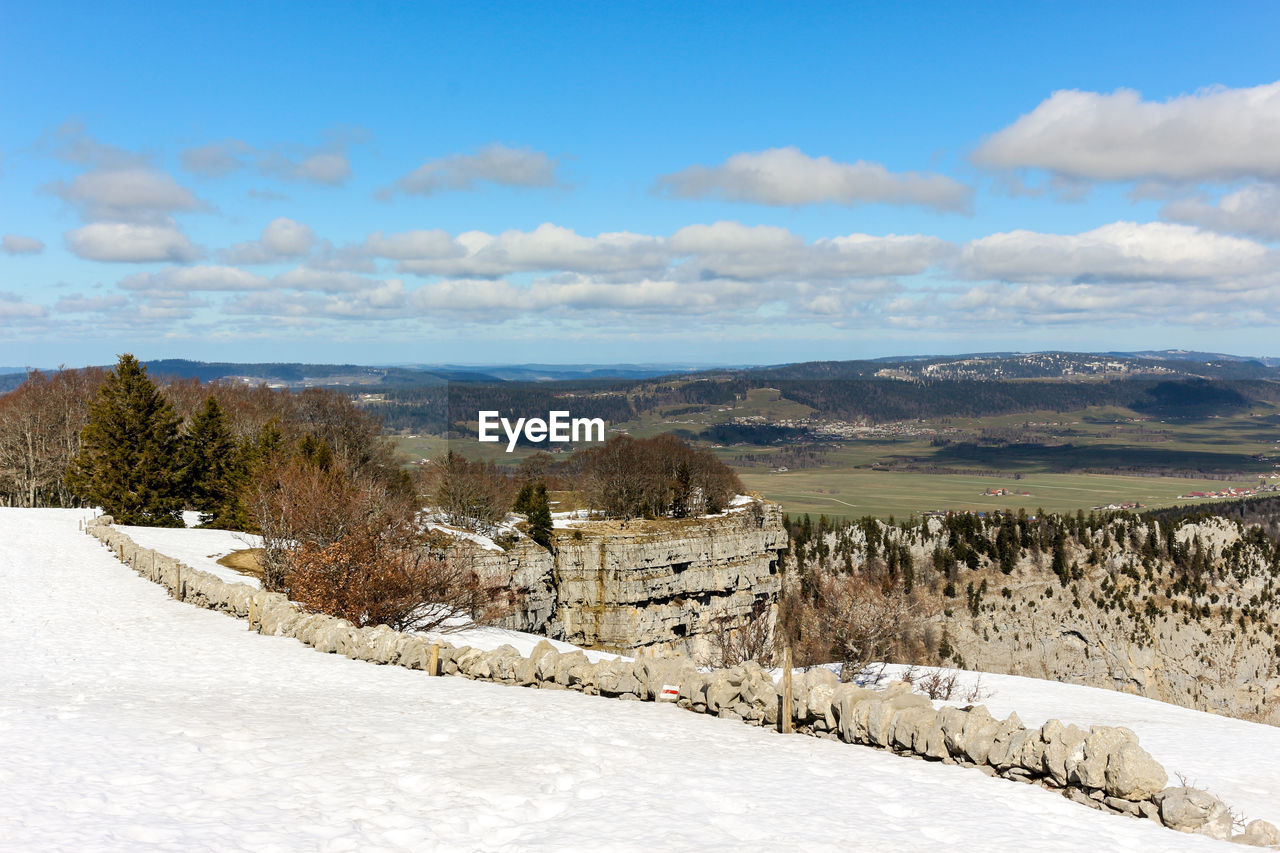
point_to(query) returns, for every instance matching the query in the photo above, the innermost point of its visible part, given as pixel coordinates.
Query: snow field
(131, 720)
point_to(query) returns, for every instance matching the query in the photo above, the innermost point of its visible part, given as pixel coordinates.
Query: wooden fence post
(433, 662)
(785, 717)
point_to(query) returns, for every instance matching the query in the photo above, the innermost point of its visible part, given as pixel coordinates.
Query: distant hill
(301, 375)
(560, 372)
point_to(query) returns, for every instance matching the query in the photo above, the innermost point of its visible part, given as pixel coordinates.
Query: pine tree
(212, 474)
(540, 526)
(130, 451)
(524, 500)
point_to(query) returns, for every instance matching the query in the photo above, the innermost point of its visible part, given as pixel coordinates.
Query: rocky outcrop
(664, 584)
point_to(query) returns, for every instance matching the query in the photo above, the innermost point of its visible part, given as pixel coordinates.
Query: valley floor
(129, 720)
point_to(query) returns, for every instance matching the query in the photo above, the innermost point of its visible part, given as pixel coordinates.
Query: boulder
(527, 671)
(1193, 810)
(669, 670)
(953, 721)
(935, 745)
(1132, 774)
(1091, 770)
(692, 684)
(911, 727)
(848, 704)
(565, 663)
(978, 735)
(415, 652)
(1006, 744)
(1259, 833)
(505, 662)
(721, 692)
(471, 662)
(1064, 749)
(818, 685)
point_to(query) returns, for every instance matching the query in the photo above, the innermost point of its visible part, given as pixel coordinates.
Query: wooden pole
(785, 716)
(433, 663)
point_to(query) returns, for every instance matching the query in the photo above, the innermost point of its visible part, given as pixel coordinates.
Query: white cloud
(719, 250)
(16, 244)
(728, 249)
(14, 307)
(331, 168)
(327, 281)
(1119, 252)
(128, 243)
(495, 164)
(281, 239)
(723, 237)
(181, 280)
(128, 194)
(547, 248)
(1213, 134)
(788, 177)
(81, 304)
(326, 164)
(419, 245)
(1253, 210)
(216, 159)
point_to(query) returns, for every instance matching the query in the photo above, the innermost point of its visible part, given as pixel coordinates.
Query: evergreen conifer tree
(129, 451)
(540, 526)
(524, 500)
(212, 473)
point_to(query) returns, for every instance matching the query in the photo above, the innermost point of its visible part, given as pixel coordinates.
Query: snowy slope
(197, 547)
(1236, 761)
(131, 720)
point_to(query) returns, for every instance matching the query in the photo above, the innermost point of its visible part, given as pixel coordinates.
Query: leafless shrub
(350, 545)
(386, 577)
(753, 640)
(855, 622)
(939, 684)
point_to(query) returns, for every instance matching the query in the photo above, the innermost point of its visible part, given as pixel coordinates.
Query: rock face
(662, 585)
(1200, 635)
(1161, 657)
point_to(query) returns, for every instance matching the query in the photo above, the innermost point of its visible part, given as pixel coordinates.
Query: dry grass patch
(247, 561)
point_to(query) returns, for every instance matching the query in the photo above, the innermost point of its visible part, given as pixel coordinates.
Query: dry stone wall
(1104, 768)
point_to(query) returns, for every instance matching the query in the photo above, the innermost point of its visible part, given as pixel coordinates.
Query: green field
(858, 492)
(1052, 456)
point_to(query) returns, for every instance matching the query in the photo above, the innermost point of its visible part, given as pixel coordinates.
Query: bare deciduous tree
(470, 494)
(40, 423)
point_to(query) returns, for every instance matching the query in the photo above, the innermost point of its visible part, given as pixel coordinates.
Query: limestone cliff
(661, 584)
(1183, 612)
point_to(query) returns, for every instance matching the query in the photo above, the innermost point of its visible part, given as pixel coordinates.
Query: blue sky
(725, 183)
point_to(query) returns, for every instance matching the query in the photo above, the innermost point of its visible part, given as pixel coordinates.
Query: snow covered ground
(1236, 761)
(198, 548)
(129, 720)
